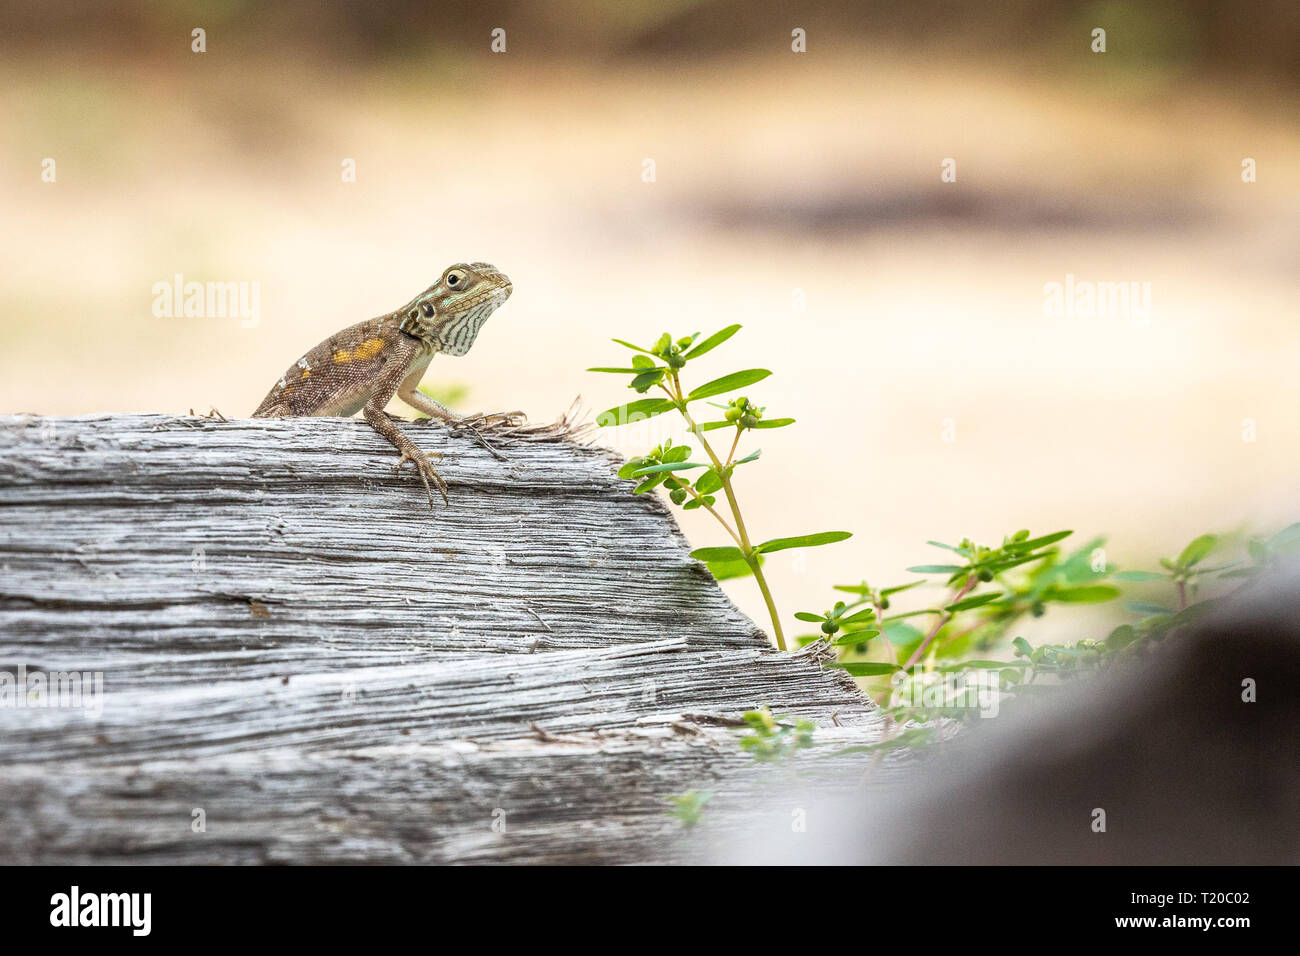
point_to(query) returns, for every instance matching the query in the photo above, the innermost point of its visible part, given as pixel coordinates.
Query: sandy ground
(920, 316)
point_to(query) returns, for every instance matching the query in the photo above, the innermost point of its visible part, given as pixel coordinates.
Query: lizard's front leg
(409, 392)
(373, 410)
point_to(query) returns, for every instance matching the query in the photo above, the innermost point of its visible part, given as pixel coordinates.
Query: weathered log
(292, 643)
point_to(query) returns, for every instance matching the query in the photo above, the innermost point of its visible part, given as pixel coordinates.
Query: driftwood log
(301, 663)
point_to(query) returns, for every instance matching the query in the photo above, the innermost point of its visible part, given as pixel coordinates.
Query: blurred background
(797, 193)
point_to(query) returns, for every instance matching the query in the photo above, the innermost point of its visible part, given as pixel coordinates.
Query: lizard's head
(449, 313)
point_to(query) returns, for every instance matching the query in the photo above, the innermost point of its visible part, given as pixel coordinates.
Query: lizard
(362, 367)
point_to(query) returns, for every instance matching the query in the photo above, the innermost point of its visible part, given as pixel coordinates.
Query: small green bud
(829, 627)
(985, 575)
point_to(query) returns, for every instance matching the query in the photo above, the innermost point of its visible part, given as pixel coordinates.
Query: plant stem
(746, 548)
(880, 619)
(944, 618)
(736, 441)
(709, 508)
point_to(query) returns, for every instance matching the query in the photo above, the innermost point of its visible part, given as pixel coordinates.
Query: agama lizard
(362, 367)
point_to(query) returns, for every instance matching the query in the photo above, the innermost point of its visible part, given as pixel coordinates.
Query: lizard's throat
(454, 335)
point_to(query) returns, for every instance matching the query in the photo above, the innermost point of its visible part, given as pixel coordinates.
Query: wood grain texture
(292, 642)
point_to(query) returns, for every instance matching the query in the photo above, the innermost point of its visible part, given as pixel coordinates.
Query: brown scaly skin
(362, 367)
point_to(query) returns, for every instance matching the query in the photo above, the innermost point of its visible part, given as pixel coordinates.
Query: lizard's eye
(427, 309)
(454, 279)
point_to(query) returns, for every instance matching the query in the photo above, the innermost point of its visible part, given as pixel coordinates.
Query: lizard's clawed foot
(425, 469)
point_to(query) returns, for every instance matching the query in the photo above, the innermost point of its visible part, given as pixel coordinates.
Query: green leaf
(728, 383)
(902, 633)
(865, 668)
(718, 554)
(1023, 646)
(810, 617)
(670, 466)
(859, 617)
(1194, 611)
(977, 600)
(939, 544)
(1241, 573)
(1286, 538)
(1033, 544)
(710, 426)
(997, 567)
(854, 637)
(1139, 576)
(725, 570)
(773, 422)
(1122, 636)
(747, 458)
(634, 348)
(642, 408)
(803, 541)
(886, 592)
(712, 342)
(1088, 594)
(643, 381)
(618, 371)
(927, 610)
(642, 362)
(1146, 607)
(933, 569)
(1197, 550)
(649, 482)
(708, 482)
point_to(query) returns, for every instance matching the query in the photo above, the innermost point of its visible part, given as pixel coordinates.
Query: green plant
(660, 367)
(688, 807)
(928, 672)
(775, 738)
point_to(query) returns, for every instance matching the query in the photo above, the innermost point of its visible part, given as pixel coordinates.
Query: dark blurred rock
(1186, 772)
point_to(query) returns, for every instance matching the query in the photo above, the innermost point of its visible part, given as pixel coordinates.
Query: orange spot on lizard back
(366, 350)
